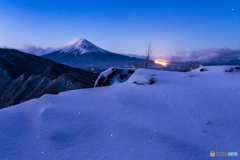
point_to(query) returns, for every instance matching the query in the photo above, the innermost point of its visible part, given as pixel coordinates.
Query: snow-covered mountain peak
(77, 42)
(81, 46)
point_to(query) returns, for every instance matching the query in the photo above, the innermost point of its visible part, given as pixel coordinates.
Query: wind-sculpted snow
(180, 116)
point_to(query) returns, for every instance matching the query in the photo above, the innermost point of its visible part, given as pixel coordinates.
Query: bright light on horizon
(160, 62)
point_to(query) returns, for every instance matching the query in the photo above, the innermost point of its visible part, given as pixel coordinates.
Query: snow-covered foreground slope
(181, 116)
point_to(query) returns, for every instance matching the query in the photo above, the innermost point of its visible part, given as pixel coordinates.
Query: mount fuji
(86, 55)
(81, 46)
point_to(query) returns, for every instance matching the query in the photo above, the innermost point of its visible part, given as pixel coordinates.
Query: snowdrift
(180, 116)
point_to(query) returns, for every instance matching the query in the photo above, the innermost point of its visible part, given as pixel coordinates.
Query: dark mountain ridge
(26, 76)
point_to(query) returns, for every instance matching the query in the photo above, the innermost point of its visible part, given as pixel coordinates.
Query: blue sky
(125, 26)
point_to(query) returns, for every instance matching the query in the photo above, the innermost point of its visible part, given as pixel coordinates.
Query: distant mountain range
(136, 56)
(26, 76)
(84, 54)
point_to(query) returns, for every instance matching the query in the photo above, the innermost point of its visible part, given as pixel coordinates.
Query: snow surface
(184, 115)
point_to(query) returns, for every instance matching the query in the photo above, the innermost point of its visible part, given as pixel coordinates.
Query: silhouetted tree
(148, 54)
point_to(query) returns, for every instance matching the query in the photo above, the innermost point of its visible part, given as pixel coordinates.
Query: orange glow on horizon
(160, 62)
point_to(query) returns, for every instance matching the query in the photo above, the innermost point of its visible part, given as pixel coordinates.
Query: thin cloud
(5, 47)
(212, 55)
(37, 50)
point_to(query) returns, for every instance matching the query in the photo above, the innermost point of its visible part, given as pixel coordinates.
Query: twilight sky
(126, 26)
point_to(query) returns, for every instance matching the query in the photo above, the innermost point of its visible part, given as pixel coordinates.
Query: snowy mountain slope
(181, 116)
(81, 46)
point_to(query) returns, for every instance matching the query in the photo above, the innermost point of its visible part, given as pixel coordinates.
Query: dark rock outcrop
(24, 76)
(151, 81)
(203, 70)
(231, 70)
(195, 65)
(113, 75)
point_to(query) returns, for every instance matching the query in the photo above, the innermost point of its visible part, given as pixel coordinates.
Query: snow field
(184, 115)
